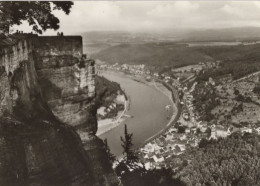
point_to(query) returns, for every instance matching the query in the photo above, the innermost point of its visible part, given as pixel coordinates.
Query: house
(194, 142)
(193, 130)
(157, 148)
(111, 106)
(213, 132)
(258, 130)
(147, 165)
(156, 74)
(203, 128)
(180, 147)
(185, 116)
(183, 137)
(125, 67)
(211, 81)
(161, 151)
(171, 130)
(189, 96)
(149, 148)
(167, 77)
(169, 137)
(246, 129)
(229, 131)
(158, 159)
(187, 130)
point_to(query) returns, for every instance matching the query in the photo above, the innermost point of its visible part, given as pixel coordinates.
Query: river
(147, 106)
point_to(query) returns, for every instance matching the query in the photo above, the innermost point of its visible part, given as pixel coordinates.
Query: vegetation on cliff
(106, 93)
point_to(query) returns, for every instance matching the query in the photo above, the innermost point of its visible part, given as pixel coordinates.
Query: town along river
(147, 106)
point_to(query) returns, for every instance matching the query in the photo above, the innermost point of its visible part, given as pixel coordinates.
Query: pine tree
(129, 162)
(127, 145)
(111, 157)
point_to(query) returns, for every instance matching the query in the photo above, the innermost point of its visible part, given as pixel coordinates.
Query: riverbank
(176, 102)
(151, 110)
(165, 89)
(108, 124)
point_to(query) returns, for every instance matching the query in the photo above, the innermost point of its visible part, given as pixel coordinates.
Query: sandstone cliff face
(36, 148)
(42, 152)
(67, 80)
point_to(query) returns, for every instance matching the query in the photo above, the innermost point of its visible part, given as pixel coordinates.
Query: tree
(230, 161)
(131, 173)
(37, 13)
(127, 144)
(155, 177)
(208, 131)
(203, 143)
(239, 98)
(130, 160)
(236, 92)
(111, 156)
(256, 89)
(181, 129)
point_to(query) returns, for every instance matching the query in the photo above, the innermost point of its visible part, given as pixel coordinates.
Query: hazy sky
(157, 15)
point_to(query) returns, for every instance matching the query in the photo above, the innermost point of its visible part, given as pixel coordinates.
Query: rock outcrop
(46, 91)
(67, 80)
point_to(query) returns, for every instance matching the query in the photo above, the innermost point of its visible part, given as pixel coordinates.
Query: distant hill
(99, 40)
(175, 55)
(155, 54)
(225, 34)
(169, 49)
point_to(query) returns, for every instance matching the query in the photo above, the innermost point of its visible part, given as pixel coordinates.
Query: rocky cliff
(46, 91)
(67, 80)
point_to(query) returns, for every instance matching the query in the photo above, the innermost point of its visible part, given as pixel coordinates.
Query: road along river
(148, 108)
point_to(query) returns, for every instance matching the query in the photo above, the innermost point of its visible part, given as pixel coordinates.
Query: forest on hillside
(238, 60)
(233, 161)
(106, 91)
(153, 54)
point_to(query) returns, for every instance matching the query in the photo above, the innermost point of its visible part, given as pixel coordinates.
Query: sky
(144, 16)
